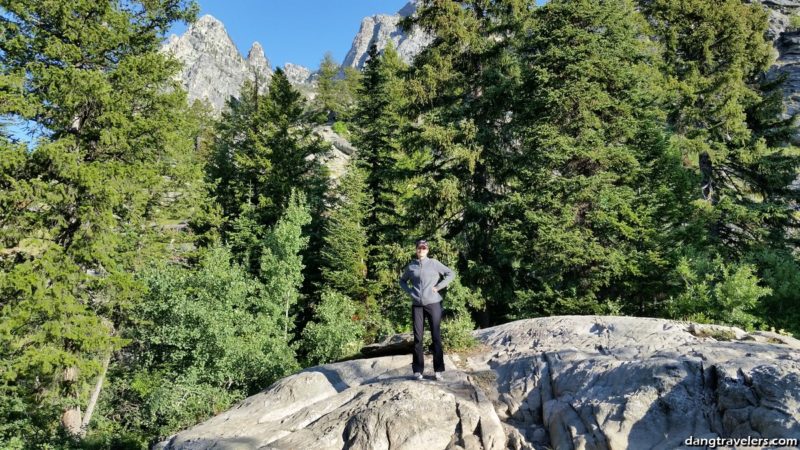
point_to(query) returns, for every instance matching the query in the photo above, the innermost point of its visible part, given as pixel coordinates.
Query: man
(425, 276)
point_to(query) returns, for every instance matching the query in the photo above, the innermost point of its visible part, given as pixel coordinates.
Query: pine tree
(726, 116)
(298, 165)
(238, 164)
(579, 223)
(327, 99)
(349, 86)
(297, 152)
(337, 89)
(346, 250)
(265, 148)
(462, 89)
(79, 206)
(379, 126)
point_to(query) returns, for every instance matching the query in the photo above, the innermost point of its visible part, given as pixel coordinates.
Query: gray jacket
(424, 276)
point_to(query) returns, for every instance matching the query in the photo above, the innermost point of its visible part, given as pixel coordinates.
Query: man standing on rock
(425, 276)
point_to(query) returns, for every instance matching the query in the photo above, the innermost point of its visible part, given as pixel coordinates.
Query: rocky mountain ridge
(383, 28)
(213, 68)
(582, 382)
(298, 74)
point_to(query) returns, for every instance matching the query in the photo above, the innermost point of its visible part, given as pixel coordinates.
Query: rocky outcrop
(340, 152)
(213, 68)
(583, 382)
(297, 74)
(258, 64)
(786, 40)
(382, 28)
(398, 344)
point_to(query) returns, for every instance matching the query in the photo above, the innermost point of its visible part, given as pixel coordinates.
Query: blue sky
(296, 31)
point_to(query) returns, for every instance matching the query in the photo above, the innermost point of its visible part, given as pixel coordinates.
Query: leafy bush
(717, 292)
(794, 21)
(457, 333)
(173, 404)
(215, 324)
(205, 337)
(335, 332)
(340, 128)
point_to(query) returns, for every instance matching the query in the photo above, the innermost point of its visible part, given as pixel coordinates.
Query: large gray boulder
(584, 382)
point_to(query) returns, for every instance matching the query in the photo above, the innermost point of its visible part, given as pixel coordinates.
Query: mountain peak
(213, 67)
(297, 74)
(208, 24)
(208, 28)
(409, 9)
(259, 64)
(256, 55)
(379, 29)
(257, 47)
(209, 19)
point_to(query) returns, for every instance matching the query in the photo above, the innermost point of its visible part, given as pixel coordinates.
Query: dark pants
(434, 314)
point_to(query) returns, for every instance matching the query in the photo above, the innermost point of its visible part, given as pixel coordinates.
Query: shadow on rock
(206, 444)
(722, 401)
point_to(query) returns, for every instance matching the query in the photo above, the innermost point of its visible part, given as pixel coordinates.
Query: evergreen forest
(159, 262)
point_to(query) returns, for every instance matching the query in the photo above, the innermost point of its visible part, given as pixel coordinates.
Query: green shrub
(340, 128)
(780, 271)
(717, 292)
(457, 333)
(214, 322)
(794, 21)
(335, 333)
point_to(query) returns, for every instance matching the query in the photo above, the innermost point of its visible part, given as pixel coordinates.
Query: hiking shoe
(438, 376)
(417, 376)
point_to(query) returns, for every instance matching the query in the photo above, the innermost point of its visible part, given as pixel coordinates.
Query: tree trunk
(707, 177)
(95, 395)
(286, 323)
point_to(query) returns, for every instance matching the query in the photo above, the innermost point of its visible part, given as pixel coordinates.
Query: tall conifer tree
(326, 99)
(726, 115)
(462, 91)
(346, 249)
(591, 168)
(380, 126)
(266, 147)
(80, 204)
